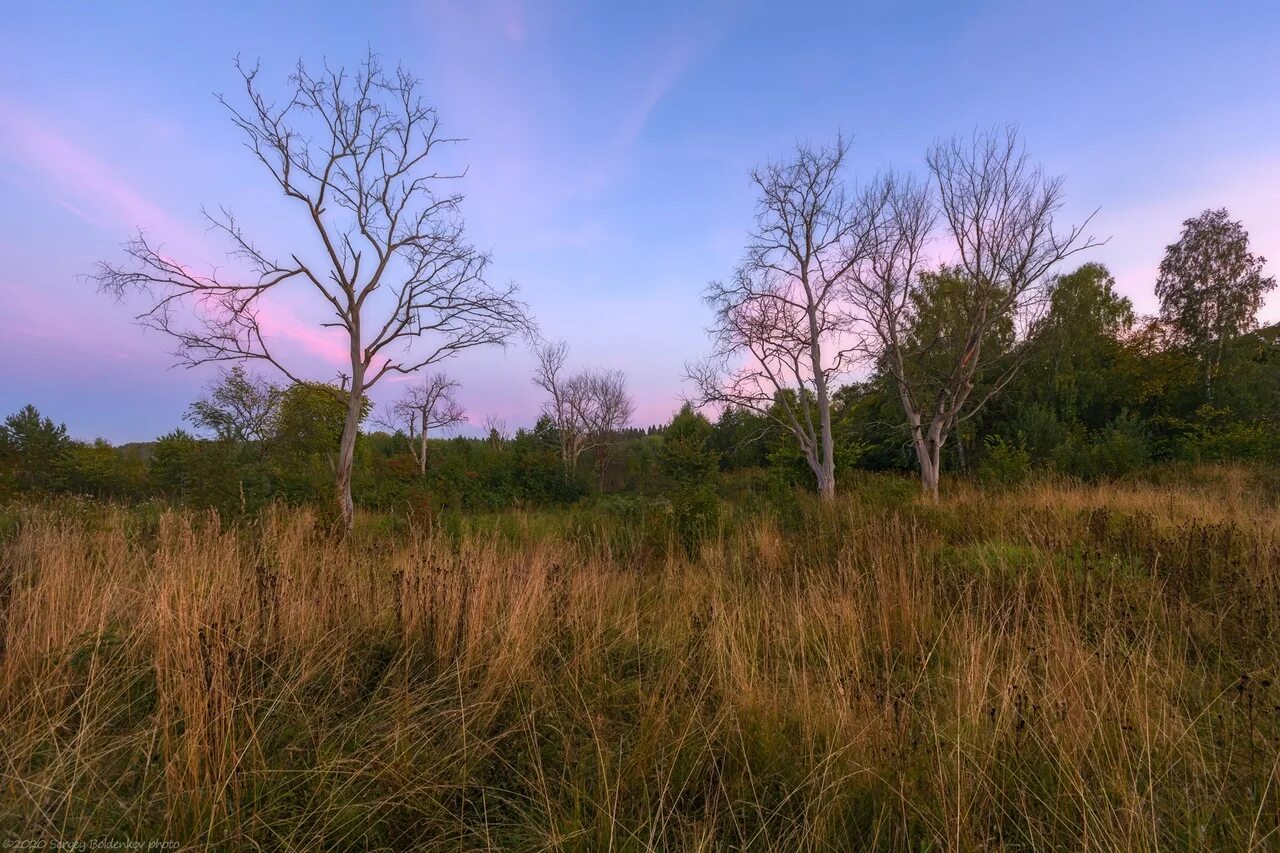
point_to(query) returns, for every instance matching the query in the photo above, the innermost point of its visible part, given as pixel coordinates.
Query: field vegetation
(1093, 666)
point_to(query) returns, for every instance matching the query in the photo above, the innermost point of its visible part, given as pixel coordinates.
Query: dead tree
(560, 409)
(996, 213)
(588, 408)
(780, 336)
(495, 431)
(424, 408)
(357, 153)
(607, 411)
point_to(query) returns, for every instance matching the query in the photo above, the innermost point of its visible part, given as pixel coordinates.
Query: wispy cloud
(81, 182)
(547, 132)
(91, 189)
(327, 345)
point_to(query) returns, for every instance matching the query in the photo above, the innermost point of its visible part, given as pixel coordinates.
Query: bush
(1003, 464)
(881, 490)
(1215, 436)
(1120, 449)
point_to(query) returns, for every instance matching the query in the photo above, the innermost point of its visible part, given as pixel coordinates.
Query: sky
(608, 150)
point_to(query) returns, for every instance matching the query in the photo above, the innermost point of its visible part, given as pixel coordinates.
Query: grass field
(1054, 667)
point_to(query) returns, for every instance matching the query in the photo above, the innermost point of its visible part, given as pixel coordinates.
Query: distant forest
(1100, 393)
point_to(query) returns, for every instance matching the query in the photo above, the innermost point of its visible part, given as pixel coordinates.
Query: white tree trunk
(350, 429)
(827, 461)
(929, 455)
(346, 460)
(422, 458)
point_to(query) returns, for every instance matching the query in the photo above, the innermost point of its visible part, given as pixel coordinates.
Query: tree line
(1101, 392)
(919, 321)
(834, 279)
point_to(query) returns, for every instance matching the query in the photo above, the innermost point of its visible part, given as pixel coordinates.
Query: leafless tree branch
(357, 153)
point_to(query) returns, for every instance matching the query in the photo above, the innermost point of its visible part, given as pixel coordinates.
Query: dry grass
(1058, 667)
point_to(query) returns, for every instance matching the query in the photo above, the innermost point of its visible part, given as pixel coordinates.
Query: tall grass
(1058, 667)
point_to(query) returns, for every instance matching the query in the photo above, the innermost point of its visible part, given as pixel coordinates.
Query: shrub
(1003, 463)
(1120, 449)
(1123, 447)
(1216, 436)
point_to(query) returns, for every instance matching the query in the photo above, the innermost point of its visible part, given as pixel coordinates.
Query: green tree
(305, 437)
(104, 471)
(173, 463)
(207, 474)
(1078, 343)
(239, 406)
(686, 456)
(34, 450)
(1070, 383)
(691, 467)
(740, 438)
(1211, 287)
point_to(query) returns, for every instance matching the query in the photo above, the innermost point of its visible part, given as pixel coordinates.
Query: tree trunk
(350, 429)
(346, 459)
(936, 467)
(929, 479)
(929, 455)
(822, 474)
(569, 456)
(827, 484)
(827, 479)
(422, 457)
(827, 462)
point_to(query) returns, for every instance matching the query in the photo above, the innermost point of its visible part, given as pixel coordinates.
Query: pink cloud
(327, 345)
(41, 320)
(90, 189)
(86, 186)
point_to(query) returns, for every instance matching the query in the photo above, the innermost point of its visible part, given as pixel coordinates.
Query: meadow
(1050, 666)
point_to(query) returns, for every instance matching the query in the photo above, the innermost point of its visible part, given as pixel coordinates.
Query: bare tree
(607, 411)
(588, 408)
(495, 430)
(357, 153)
(997, 212)
(423, 408)
(780, 335)
(571, 434)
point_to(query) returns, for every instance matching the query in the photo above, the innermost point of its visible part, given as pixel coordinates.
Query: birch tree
(1211, 287)
(995, 214)
(781, 334)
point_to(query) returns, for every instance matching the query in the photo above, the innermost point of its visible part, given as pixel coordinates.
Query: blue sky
(608, 148)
